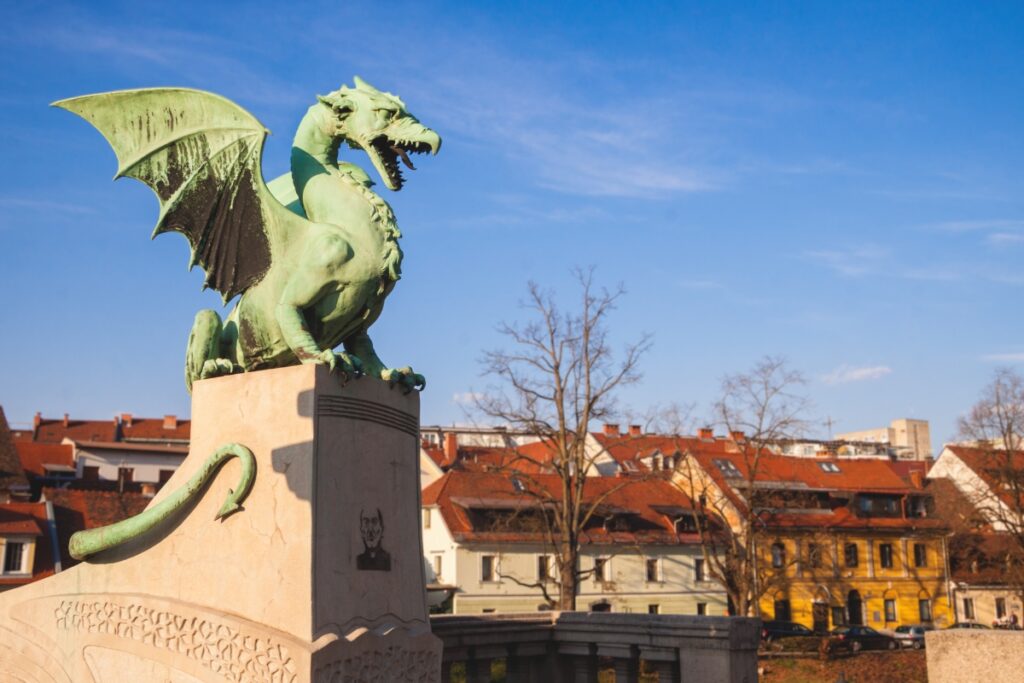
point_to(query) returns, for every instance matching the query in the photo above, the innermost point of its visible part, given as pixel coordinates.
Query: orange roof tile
(35, 456)
(651, 502)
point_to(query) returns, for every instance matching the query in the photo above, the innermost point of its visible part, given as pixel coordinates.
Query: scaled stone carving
(313, 255)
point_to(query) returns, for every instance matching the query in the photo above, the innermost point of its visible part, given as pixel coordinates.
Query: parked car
(773, 630)
(968, 624)
(865, 638)
(912, 636)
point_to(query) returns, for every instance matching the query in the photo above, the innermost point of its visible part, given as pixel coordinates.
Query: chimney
(916, 480)
(170, 421)
(37, 420)
(636, 430)
(706, 433)
(611, 429)
(451, 446)
(126, 419)
(738, 437)
(65, 419)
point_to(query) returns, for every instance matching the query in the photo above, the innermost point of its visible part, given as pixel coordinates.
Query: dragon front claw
(343, 363)
(405, 378)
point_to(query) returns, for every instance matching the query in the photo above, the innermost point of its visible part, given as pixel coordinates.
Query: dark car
(912, 636)
(967, 624)
(773, 630)
(865, 638)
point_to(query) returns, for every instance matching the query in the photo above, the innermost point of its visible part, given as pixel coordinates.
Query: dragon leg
(203, 357)
(86, 543)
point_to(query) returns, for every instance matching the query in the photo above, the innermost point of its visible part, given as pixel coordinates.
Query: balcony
(578, 647)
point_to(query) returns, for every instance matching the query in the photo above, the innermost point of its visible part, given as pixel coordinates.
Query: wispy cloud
(845, 374)
(1017, 357)
(466, 398)
(977, 225)
(850, 262)
(998, 239)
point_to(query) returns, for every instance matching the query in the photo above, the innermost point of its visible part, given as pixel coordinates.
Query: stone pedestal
(318, 579)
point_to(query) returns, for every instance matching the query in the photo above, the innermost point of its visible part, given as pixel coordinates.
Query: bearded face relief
(371, 529)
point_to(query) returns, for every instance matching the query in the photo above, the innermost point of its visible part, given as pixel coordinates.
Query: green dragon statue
(312, 255)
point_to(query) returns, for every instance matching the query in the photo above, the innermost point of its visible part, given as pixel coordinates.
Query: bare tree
(758, 409)
(995, 428)
(560, 375)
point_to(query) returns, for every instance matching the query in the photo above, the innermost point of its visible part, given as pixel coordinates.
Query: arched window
(778, 555)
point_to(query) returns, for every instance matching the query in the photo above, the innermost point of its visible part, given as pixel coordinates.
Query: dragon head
(378, 123)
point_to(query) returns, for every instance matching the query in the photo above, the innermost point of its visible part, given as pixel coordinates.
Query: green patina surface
(86, 543)
(311, 256)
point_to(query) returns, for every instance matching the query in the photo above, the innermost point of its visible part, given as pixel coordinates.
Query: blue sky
(838, 183)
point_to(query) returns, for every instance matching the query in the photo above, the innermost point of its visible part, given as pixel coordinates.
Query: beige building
(908, 439)
(481, 542)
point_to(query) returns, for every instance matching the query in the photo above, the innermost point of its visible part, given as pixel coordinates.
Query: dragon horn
(363, 85)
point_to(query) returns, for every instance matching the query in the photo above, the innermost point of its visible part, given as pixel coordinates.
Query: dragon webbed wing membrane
(200, 154)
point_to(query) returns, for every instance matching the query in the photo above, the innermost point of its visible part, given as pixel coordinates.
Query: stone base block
(319, 578)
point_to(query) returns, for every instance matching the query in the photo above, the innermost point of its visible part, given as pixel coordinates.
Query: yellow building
(838, 541)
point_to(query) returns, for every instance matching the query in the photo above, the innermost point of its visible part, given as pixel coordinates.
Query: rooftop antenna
(828, 423)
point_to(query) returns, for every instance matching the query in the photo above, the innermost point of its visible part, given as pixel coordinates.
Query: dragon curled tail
(89, 542)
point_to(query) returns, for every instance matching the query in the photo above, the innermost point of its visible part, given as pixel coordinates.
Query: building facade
(481, 540)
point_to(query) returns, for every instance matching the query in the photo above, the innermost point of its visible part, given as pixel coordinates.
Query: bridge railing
(571, 647)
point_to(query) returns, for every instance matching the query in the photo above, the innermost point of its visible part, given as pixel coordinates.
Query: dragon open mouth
(389, 152)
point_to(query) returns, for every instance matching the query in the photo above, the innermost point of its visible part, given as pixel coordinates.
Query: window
(920, 555)
(437, 566)
(14, 555)
(125, 475)
(924, 610)
(1000, 608)
(969, 608)
(600, 569)
(654, 609)
(814, 555)
(699, 571)
(885, 555)
(488, 564)
(890, 609)
(778, 557)
(518, 485)
(838, 616)
(726, 467)
(702, 609)
(782, 612)
(91, 473)
(829, 467)
(426, 518)
(488, 610)
(652, 569)
(850, 554)
(543, 567)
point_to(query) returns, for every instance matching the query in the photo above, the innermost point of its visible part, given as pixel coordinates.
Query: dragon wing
(200, 153)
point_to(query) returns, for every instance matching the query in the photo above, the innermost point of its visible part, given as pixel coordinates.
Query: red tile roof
(992, 465)
(78, 509)
(154, 429)
(35, 456)
(652, 503)
(55, 431)
(29, 519)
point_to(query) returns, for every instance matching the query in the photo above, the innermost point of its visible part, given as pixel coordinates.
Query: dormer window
(726, 467)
